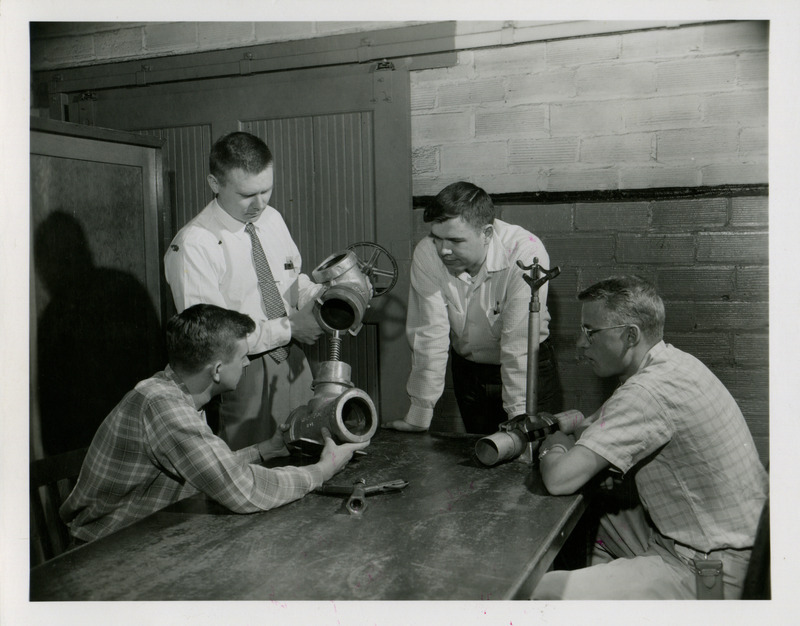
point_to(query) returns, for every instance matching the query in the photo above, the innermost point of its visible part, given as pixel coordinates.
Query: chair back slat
(51, 481)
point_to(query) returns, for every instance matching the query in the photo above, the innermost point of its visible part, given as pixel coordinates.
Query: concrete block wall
(706, 255)
(661, 108)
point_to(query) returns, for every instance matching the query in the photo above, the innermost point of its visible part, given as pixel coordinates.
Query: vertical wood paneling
(185, 153)
(324, 169)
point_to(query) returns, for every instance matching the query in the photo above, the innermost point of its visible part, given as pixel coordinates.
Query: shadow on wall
(93, 343)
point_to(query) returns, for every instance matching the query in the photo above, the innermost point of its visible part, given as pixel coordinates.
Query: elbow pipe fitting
(343, 305)
(346, 411)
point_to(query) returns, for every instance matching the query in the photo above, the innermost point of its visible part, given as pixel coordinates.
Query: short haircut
(204, 333)
(461, 199)
(238, 150)
(630, 300)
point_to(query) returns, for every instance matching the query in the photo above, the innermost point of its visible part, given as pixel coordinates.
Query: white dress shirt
(210, 261)
(484, 317)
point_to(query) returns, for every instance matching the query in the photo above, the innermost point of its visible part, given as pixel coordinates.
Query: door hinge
(382, 81)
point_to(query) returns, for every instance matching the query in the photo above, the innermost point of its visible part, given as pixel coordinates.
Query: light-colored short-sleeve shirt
(697, 469)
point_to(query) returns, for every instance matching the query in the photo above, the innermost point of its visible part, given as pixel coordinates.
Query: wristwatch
(553, 447)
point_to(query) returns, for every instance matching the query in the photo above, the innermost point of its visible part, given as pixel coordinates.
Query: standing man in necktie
(238, 254)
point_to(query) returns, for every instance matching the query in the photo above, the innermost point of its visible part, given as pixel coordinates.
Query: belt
(543, 354)
(688, 554)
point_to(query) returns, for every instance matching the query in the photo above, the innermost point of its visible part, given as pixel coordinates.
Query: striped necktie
(270, 296)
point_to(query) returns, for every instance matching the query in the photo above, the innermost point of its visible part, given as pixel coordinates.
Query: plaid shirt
(154, 449)
(698, 472)
(485, 317)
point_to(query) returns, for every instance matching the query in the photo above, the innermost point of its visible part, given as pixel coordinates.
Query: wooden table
(458, 531)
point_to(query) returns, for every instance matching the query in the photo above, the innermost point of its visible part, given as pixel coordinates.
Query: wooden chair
(51, 480)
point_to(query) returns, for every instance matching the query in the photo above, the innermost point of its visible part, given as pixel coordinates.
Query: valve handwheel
(378, 264)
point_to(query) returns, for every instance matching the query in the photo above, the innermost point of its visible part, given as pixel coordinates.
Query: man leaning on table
(674, 429)
(469, 297)
(156, 448)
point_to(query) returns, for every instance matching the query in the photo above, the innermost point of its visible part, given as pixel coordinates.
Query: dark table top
(458, 531)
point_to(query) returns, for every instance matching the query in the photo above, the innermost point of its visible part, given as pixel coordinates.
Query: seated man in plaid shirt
(156, 448)
(674, 429)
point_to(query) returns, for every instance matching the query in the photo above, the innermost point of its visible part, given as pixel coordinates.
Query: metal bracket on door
(382, 81)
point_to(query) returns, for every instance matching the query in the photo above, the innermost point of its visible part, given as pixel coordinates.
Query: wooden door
(341, 140)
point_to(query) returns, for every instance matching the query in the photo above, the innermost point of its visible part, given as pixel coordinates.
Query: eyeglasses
(588, 332)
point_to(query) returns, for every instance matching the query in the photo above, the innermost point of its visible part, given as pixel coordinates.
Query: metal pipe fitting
(346, 411)
(499, 447)
(342, 306)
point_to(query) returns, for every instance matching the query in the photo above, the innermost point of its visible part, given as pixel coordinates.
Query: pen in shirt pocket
(496, 309)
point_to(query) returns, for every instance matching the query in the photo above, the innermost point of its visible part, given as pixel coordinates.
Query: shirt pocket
(494, 318)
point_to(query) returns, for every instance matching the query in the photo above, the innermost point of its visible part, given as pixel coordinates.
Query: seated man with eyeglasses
(675, 430)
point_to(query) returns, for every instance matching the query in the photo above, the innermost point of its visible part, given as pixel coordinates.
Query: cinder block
(526, 152)
(733, 247)
(441, 127)
(659, 176)
(463, 158)
(236, 33)
(173, 35)
(540, 219)
(629, 148)
(754, 171)
(716, 143)
(750, 348)
(690, 214)
(661, 112)
(578, 249)
(586, 119)
(745, 382)
(673, 249)
(735, 36)
(425, 160)
(508, 182)
(740, 107)
(672, 42)
(511, 122)
(583, 50)
(756, 414)
(708, 347)
(429, 185)
(577, 178)
(616, 216)
(565, 314)
(125, 42)
(592, 275)
(423, 97)
(473, 92)
(750, 211)
(753, 69)
(625, 81)
(719, 316)
(697, 283)
(565, 285)
(556, 85)
(697, 74)
(752, 283)
(753, 143)
(52, 52)
(510, 60)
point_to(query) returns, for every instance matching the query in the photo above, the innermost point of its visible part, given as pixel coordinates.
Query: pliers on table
(356, 502)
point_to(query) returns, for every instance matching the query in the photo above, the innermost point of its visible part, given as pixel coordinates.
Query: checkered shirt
(156, 448)
(698, 472)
